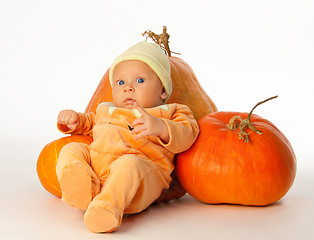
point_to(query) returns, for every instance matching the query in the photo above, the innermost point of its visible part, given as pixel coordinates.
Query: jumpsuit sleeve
(85, 127)
(183, 130)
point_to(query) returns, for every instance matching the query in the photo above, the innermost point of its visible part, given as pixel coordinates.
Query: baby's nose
(128, 89)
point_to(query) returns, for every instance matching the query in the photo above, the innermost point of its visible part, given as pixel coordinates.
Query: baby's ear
(164, 94)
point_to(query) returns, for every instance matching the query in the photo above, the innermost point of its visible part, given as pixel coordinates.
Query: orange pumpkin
(47, 161)
(229, 166)
(186, 90)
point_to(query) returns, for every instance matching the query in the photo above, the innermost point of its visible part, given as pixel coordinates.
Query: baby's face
(134, 81)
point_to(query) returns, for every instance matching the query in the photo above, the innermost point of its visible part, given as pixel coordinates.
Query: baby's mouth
(129, 101)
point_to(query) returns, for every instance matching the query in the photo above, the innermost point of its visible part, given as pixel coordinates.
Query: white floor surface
(30, 212)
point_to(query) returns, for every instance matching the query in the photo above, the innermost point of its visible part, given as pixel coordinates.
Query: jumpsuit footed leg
(132, 185)
(79, 183)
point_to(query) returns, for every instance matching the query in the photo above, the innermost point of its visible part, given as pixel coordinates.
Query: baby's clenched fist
(69, 118)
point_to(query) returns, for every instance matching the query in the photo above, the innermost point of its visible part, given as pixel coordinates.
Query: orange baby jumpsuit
(117, 174)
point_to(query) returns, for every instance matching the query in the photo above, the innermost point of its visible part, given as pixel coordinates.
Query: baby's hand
(149, 125)
(69, 118)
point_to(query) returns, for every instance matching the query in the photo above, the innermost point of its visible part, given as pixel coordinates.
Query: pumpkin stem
(238, 122)
(161, 39)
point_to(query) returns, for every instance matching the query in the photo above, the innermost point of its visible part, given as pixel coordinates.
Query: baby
(130, 160)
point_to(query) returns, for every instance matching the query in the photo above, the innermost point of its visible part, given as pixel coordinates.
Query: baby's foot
(76, 185)
(101, 220)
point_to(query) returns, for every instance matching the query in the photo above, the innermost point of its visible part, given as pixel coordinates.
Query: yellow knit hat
(153, 56)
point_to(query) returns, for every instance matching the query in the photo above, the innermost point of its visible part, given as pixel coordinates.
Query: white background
(54, 53)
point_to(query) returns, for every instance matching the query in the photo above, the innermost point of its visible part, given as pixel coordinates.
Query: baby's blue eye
(140, 80)
(121, 82)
